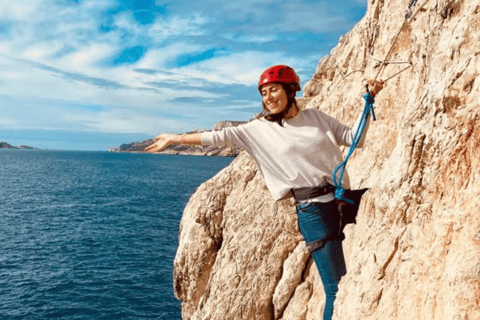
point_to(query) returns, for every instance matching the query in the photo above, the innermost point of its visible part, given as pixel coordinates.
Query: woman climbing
(297, 152)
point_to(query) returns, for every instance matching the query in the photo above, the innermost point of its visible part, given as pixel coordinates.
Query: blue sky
(92, 74)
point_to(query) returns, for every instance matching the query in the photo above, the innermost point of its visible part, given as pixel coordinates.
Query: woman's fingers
(378, 86)
(375, 86)
(150, 147)
(161, 143)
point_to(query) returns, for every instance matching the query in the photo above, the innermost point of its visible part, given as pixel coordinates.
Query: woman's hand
(375, 86)
(165, 139)
(161, 142)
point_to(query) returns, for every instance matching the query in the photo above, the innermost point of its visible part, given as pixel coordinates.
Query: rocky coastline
(139, 147)
(5, 145)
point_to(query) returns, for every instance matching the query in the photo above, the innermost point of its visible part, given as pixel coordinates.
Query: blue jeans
(320, 221)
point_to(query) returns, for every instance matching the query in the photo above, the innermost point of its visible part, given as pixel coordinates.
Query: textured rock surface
(415, 251)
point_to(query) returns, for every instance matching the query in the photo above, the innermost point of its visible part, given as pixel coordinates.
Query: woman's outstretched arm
(164, 140)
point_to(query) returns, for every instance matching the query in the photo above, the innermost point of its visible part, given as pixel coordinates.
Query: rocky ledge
(186, 149)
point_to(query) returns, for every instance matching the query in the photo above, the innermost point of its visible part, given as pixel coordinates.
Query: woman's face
(274, 97)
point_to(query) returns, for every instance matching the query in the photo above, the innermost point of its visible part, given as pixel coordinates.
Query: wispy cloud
(165, 28)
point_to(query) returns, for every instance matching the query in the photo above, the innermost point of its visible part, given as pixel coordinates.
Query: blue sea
(93, 235)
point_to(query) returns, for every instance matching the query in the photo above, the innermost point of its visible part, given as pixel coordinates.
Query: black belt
(302, 194)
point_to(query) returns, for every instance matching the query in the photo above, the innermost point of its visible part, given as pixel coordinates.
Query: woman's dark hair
(290, 90)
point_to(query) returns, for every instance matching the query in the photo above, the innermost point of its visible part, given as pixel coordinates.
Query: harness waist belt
(302, 194)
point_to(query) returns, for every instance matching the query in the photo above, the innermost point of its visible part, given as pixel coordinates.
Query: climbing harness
(337, 179)
(305, 193)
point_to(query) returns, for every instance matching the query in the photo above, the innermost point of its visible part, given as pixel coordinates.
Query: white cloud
(118, 86)
(56, 114)
(164, 28)
(7, 122)
(125, 28)
(240, 68)
(41, 51)
(258, 38)
(268, 17)
(86, 58)
(123, 121)
(313, 17)
(18, 9)
(44, 29)
(158, 58)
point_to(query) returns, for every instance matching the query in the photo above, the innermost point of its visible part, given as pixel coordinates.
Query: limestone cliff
(415, 251)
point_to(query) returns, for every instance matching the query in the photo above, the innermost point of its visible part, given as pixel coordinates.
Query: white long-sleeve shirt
(302, 153)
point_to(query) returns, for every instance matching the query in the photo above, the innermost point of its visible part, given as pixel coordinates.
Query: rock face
(415, 251)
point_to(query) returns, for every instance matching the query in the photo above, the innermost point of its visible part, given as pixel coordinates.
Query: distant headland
(187, 149)
(5, 145)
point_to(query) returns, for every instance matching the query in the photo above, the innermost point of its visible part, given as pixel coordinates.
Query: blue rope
(340, 191)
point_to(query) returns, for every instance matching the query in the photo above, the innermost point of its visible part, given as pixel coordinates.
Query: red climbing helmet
(279, 73)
